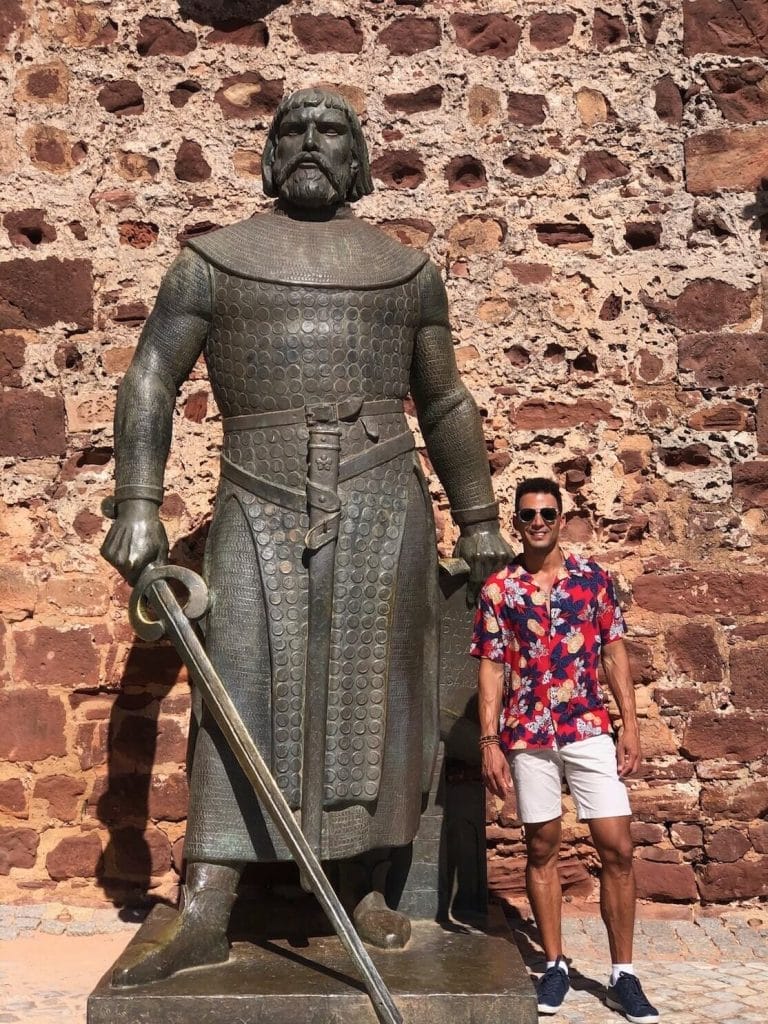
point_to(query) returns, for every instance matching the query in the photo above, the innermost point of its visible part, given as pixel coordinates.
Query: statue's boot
(379, 925)
(196, 936)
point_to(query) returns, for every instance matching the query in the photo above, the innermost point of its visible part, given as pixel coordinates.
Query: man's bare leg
(197, 936)
(542, 881)
(613, 842)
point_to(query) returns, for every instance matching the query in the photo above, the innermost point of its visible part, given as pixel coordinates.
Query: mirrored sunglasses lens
(527, 515)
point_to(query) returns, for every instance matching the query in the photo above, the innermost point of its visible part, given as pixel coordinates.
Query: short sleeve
(487, 634)
(610, 621)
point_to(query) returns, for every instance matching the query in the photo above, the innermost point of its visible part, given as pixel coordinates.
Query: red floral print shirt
(550, 650)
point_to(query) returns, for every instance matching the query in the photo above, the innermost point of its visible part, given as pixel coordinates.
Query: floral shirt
(550, 651)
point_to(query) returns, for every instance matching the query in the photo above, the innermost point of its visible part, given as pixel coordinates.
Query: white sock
(562, 964)
(616, 969)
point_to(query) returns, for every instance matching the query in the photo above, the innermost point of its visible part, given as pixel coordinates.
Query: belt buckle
(325, 412)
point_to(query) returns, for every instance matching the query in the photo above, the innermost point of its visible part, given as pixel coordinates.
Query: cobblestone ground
(711, 971)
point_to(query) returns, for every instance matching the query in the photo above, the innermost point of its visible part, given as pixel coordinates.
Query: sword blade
(185, 640)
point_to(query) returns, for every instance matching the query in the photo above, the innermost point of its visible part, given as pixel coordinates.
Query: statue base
(447, 973)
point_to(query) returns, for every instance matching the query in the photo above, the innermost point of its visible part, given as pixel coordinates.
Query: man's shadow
(526, 936)
(146, 727)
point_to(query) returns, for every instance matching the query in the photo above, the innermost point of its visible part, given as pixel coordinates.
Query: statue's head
(315, 154)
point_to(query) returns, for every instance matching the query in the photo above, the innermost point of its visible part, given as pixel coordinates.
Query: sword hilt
(195, 606)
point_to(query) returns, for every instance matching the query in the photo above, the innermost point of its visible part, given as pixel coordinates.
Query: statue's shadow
(147, 727)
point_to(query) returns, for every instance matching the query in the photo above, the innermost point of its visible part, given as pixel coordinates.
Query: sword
(175, 621)
(324, 514)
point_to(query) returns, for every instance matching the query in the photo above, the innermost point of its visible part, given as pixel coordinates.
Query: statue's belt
(321, 417)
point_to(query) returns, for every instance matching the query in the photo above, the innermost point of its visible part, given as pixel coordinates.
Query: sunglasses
(547, 513)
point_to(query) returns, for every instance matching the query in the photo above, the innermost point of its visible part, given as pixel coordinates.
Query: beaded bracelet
(491, 740)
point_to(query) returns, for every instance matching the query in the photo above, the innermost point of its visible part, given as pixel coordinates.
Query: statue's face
(313, 162)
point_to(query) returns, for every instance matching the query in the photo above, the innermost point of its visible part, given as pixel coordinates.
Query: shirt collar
(572, 565)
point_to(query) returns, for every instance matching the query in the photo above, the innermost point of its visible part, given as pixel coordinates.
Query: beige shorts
(589, 768)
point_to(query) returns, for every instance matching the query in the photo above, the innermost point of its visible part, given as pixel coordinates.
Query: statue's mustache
(303, 158)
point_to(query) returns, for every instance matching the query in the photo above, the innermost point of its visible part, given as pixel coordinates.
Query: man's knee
(542, 843)
(616, 855)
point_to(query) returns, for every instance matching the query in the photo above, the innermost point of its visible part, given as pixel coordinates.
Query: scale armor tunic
(273, 347)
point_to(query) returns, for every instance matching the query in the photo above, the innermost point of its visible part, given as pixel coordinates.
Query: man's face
(313, 162)
(537, 534)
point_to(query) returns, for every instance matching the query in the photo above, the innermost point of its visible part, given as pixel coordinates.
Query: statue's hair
(361, 183)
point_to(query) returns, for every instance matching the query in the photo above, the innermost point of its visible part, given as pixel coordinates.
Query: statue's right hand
(136, 538)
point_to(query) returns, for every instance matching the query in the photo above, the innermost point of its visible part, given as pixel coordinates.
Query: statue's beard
(319, 185)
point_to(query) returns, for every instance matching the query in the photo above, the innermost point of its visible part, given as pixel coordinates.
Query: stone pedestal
(461, 976)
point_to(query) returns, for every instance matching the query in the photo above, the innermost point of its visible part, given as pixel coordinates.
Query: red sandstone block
(663, 801)
(323, 33)
(550, 31)
(749, 678)
(249, 95)
(75, 857)
(40, 293)
(727, 845)
(665, 881)
(540, 415)
(739, 28)
(57, 658)
(742, 880)
(161, 36)
(737, 737)
(410, 34)
(487, 35)
(686, 837)
(742, 801)
(18, 848)
(750, 483)
(33, 725)
(730, 360)
(692, 649)
(62, 793)
(702, 593)
(726, 160)
(13, 798)
(399, 168)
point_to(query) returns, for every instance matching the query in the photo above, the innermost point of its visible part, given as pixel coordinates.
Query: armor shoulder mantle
(341, 253)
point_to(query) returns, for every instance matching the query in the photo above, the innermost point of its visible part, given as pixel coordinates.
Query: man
(542, 626)
(321, 560)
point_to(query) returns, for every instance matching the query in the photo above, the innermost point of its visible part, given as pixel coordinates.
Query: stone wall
(588, 178)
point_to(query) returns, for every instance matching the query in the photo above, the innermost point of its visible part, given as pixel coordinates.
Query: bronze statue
(321, 557)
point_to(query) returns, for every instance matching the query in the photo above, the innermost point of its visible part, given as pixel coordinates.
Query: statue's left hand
(485, 550)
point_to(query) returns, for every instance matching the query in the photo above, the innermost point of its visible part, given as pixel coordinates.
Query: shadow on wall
(147, 727)
(221, 12)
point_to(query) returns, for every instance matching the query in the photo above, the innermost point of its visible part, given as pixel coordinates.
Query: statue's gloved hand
(136, 538)
(485, 551)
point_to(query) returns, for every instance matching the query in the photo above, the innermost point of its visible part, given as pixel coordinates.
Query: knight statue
(321, 558)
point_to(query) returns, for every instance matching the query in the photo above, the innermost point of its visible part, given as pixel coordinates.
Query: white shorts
(589, 767)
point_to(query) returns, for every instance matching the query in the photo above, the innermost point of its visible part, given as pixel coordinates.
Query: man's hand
(485, 551)
(628, 755)
(495, 769)
(136, 538)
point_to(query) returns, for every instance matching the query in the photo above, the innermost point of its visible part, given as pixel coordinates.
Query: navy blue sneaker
(627, 997)
(552, 988)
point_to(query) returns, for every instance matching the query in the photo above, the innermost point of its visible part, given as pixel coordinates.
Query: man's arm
(453, 434)
(616, 666)
(490, 687)
(168, 348)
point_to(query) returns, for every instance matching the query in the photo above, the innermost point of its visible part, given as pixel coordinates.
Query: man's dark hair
(361, 183)
(538, 485)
